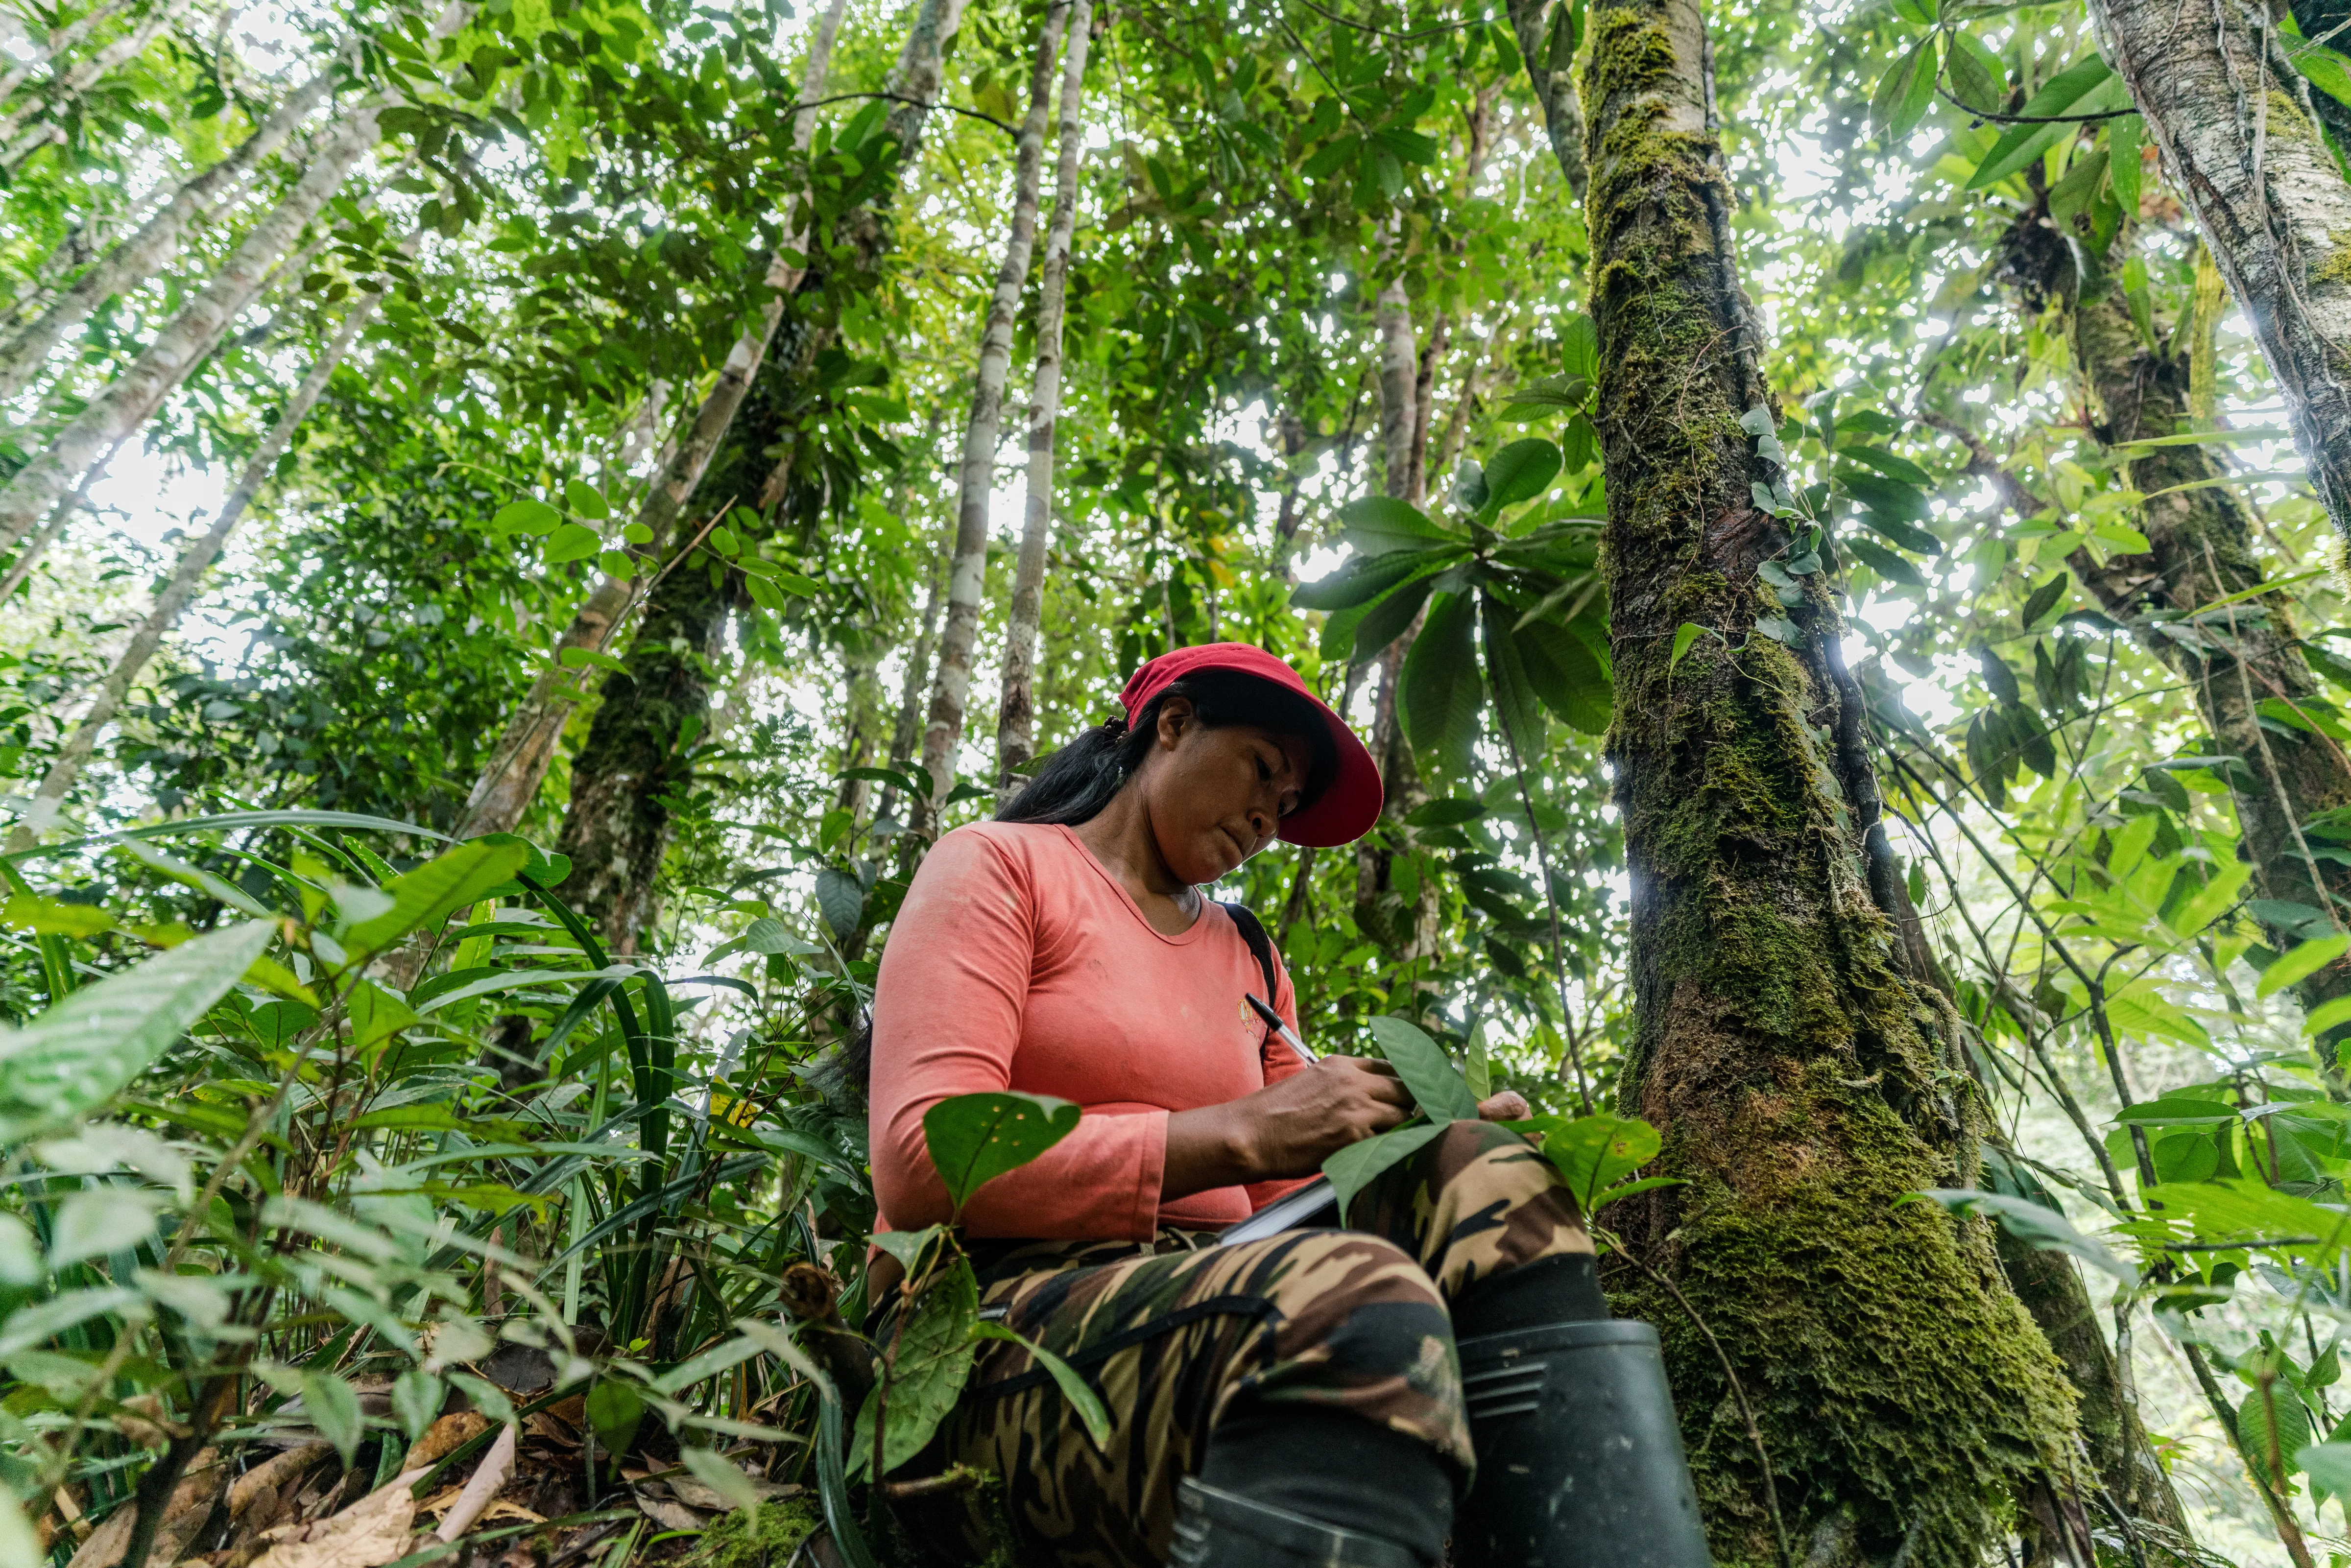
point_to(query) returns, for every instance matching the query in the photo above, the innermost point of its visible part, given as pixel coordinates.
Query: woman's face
(1214, 797)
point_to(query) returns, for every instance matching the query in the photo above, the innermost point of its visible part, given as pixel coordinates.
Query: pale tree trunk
(1016, 717)
(51, 531)
(2231, 118)
(968, 576)
(95, 69)
(1798, 1071)
(60, 44)
(907, 733)
(1549, 50)
(182, 586)
(132, 398)
(141, 256)
(616, 827)
(510, 780)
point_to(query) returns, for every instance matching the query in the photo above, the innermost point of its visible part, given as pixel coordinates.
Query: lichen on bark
(1803, 1079)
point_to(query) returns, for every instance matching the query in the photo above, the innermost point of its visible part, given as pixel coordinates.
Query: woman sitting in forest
(1292, 1400)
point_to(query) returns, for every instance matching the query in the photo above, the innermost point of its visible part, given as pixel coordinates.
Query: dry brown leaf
(548, 1429)
(440, 1500)
(371, 1531)
(444, 1436)
(273, 1475)
(693, 1494)
(185, 1512)
(667, 1514)
(502, 1509)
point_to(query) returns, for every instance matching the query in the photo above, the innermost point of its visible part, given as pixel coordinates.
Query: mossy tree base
(1803, 1079)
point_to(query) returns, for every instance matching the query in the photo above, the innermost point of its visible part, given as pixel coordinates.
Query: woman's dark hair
(1078, 782)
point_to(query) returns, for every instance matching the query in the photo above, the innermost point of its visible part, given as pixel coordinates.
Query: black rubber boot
(1217, 1528)
(1580, 1460)
(1387, 1498)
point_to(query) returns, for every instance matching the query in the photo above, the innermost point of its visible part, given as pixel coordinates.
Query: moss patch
(761, 1538)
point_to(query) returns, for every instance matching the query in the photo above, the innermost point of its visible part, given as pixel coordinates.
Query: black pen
(1288, 1035)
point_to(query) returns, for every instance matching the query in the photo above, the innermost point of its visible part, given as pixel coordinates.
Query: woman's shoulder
(1011, 849)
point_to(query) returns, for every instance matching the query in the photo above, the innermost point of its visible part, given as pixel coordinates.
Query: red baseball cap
(1348, 806)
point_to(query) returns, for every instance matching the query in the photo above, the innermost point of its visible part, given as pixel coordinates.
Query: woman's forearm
(1208, 1148)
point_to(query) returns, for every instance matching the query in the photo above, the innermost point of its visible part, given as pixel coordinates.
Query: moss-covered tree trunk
(1804, 1080)
(636, 763)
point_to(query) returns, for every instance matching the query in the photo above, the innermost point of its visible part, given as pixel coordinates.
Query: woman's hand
(1286, 1129)
(1509, 1106)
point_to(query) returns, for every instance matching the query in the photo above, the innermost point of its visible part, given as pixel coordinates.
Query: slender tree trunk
(968, 578)
(60, 518)
(132, 398)
(2231, 118)
(1547, 47)
(637, 754)
(182, 586)
(1796, 1070)
(81, 78)
(141, 256)
(61, 44)
(1016, 718)
(510, 779)
(907, 733)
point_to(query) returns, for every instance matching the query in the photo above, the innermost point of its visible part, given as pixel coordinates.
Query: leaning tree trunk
(634, 760)
(132, 397)
(968, 576)
(2231, 118)
(510, 781)
(1016, 714)
(141, 256)
(1797, 1070)
(1545, 31)
(60, 44)
(182, 588)
(907, 733)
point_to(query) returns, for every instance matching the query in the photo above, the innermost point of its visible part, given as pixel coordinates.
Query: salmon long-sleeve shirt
(1019, 962)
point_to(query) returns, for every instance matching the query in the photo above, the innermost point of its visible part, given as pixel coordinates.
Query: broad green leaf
(841, 898)
(1091, 1410)
(525, 517)
(80, 1053)
(1476, 1071)
(975, 1138)
(2304, 961)
(1892, 464)
(586, 500)
(1687, 632)
(1445, 813)
(2178, 1111)
(334, 1409)
(2035, 1225)
(2206, 905)
(49, 917)
(99, 1221)
(1359, 580)
(1379, 525)
(1890, 499)
(1354, 1167)
(908, 1246)
(1384, 623)
(28, 1326)
(572, 541)
(1520, 471)
(2251, 1212)
(932, 1361)
(1591, 1152)
(202, 881)
(1517, 709)
(416, 1400)
(1977, 78)
(1565, 674)
(2086, 86)
(613, 1411)
(1435, 1084)
(2272, 1430)
(1884, 562)
(376, 1015)
(427, 895)
(1442, 691)
(722, 1475)
(1579, 345)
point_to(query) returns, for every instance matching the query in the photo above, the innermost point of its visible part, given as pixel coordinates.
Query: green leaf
(975, 1138)
(613, 1411)
(1890, 104)
(1385, 622)
(1445, 813)
(2124, 137)
(376, 1015)
(2085, 86)
(2046, 599)
(1909, 536)
(48, 917)
(2328, 1465)
(1435, 1084)
(1890, 498)
(2035, 1225)
(586, 500)
(1566, 676)
(2305, 960)
(1520, 471)
(416, 1400)
(583, 658)
(334, 1409)
(927, 1373)
(1359, 580)
(80, 1053)
(427, 895)
(1891, 464)
(1441, 691)
(1977, 78)
(572, 541)
(1579, 345)
(525, 517)
(1354, 1167)
(1516, 707)
(1074, 1389)
(2274, 1429)
(1687, 632)
(1379, 525)
(99, 1221)
(1884, 562)
(1590, 1152)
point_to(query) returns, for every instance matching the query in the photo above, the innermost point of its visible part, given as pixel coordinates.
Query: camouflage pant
(1176, 1333)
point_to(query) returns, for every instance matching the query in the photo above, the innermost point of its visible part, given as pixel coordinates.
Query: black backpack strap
(1252, 932)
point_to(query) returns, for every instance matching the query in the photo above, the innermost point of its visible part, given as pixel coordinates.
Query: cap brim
(1350, 805)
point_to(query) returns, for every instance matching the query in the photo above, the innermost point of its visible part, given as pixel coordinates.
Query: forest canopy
(522, 520)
